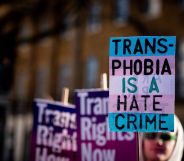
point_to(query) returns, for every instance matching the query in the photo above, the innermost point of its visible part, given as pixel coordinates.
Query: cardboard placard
(142, 83)
(95, 141)
(54, 136)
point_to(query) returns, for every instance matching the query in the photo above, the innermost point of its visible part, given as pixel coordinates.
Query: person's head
(158, 146)
(166, 146)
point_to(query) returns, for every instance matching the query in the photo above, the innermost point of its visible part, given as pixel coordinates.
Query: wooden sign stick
(104, 81)
(65, 95)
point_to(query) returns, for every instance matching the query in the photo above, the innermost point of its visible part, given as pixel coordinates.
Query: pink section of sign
(166, 104)
(165, 84)
(119, 72)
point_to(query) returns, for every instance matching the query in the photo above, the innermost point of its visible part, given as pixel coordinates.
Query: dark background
(46, 45)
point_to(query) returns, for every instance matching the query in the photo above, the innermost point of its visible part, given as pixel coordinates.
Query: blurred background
(46, 45)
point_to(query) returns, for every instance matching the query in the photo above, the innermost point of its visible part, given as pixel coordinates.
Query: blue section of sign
(140, 122)
(142, 46)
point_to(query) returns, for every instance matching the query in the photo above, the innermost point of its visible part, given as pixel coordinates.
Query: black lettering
(127, 67)
(138, 47)
(152, 46)
(145, 101)
(124, 103)
(129, 121)
(162, 45)
(150, 121)
(157, 67)
(137, 67)
(134, 104)
(156, 103)
(116, 45)
(126, 46)
(116, 64)
(166, 67)
(116, 121)
(161, 122)
(140, 121)
(148, 67)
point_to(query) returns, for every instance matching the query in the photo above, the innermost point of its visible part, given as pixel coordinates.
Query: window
(94, 21)
(91, 74)
(121, 12)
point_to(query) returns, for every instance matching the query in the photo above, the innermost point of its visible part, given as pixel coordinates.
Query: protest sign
(142, 83)
(95, 141)
(54, 136)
